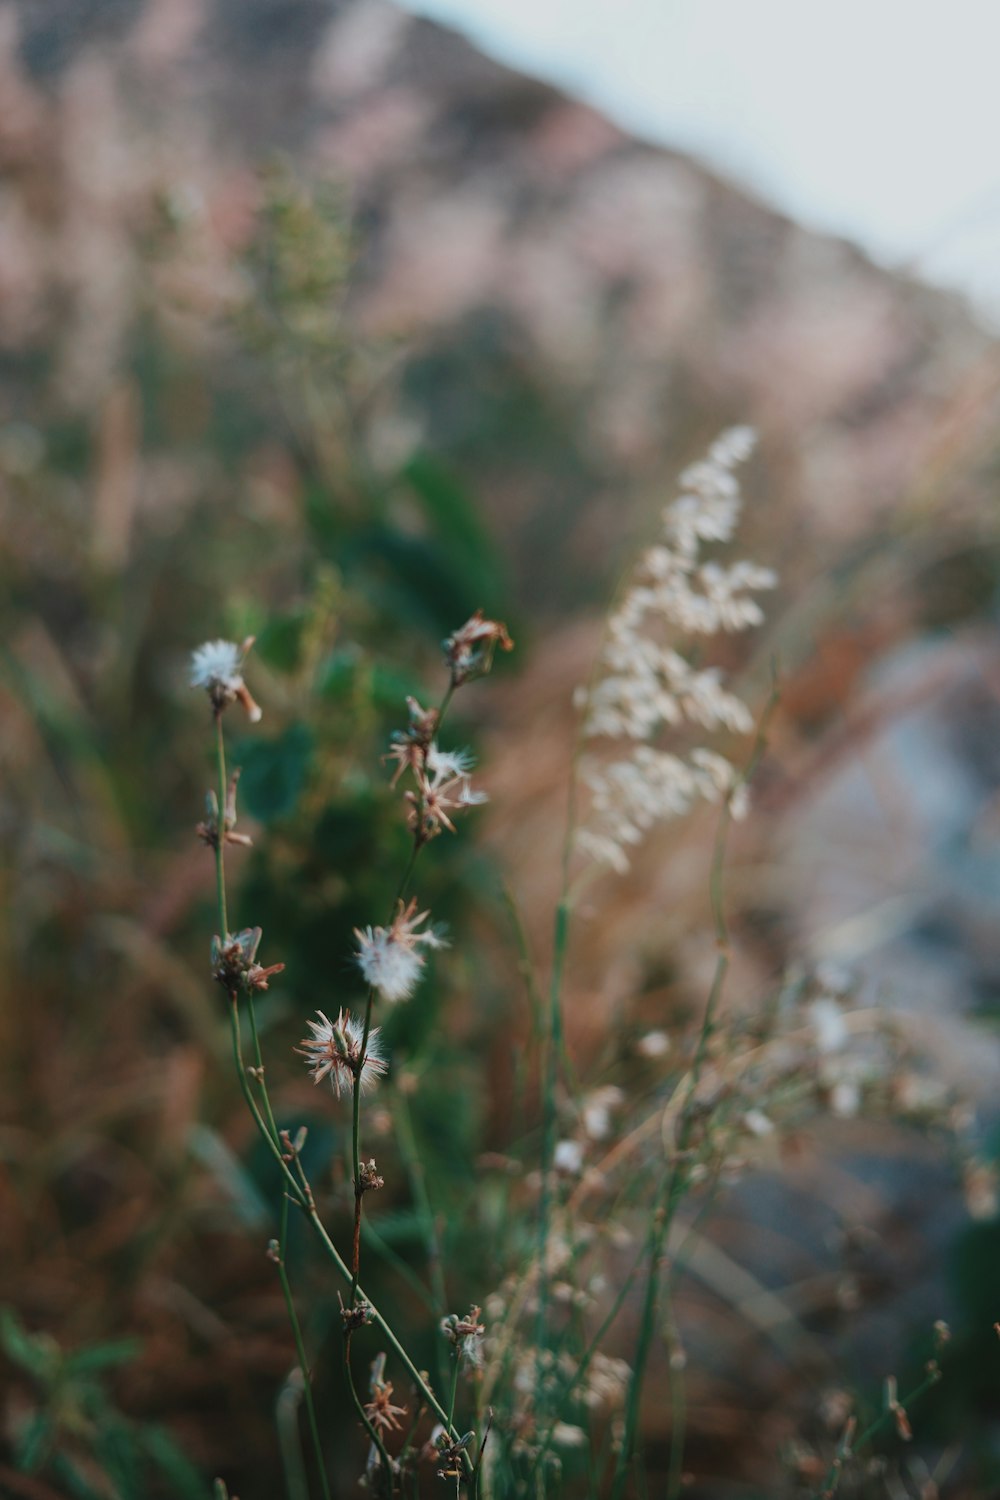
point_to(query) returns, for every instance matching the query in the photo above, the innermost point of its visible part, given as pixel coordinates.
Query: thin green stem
(251, 1103)
(676, 1180)
(220, 828)
(553, 1044)
(298, 1186)
(368, 1425)
(371, 1238)
(418, 1186)
(664, 1208)
(293, 1318)
(584, 1365)
(678, 1408)
(261, 1081)
(454, 1393)
(848, 1448)
(359, 1191)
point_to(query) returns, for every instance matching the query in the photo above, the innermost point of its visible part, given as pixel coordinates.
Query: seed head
(217, 666)
(469, 651)
(334, 1051)
(380, 1411)
(390, 957)
(466, 1335)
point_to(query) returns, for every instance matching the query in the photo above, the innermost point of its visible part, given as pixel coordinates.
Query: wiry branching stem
(676, 1179)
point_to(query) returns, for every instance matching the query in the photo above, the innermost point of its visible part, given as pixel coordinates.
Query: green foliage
(73, 1422)
(274, 773)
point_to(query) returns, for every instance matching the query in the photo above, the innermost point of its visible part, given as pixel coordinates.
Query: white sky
(875, 119)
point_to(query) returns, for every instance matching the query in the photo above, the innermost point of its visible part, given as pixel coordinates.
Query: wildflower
(371, 1178)
(389, 957)
(568, 1157)
(598, 1107)
(334, 1051)
(606, 1381)
(829, 1025)
(217, 666)
(469, 651)
(443, 788)
(359, 1315)
(380, 1411)
(758, 1123)
(653, 1044)
(410, 745)
(565, 1435)
(466, 1335)
(234, 961)
(645, 683)
(448, 1454)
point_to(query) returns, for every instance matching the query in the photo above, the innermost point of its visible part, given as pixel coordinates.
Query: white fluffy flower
(389, 967)
(390, 957)
(217, 663)
(829, 1025)
(217, 666)
(568, 1157)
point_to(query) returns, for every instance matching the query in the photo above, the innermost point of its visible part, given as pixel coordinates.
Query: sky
(878, 120)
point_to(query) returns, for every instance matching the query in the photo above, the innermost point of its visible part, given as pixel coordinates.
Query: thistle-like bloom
(217, 666)
(390, 957)
(234, 961)
(645, 684)
(334, 1051)
(443, 788)
(410, 745)
(469, 651)
(380, 1411)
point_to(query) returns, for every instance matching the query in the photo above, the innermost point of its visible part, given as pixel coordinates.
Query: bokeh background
(318, 323)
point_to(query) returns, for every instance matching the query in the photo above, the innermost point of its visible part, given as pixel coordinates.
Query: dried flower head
(469, 651)
(208, 831)
(334, 1051)
(443, 788)
(410, 745)
(380, 1411)
(358, 1315)
(234, 961)
(645, 684)
(217, 666)
(447, 1453)
(390, 957)
(466, 1335)
(371, 1179)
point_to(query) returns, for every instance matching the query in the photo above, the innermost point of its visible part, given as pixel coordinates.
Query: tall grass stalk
(676, 1179)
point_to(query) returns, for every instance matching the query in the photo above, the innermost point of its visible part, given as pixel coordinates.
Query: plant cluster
(607, 1178)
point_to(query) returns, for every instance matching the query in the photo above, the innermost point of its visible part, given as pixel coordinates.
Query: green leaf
(274, 773)
(75, 1482)
(116, 1448)
(454, 517)
(102, 1357)
(37, 1353)
(279, 643)
(33, 1441)
(338, 674)
(164, 1453)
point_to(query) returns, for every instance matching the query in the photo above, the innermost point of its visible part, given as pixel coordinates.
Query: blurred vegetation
(255, 469)
(125, 1156)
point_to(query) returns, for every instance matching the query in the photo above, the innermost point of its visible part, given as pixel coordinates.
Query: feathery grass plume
(643, 681)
